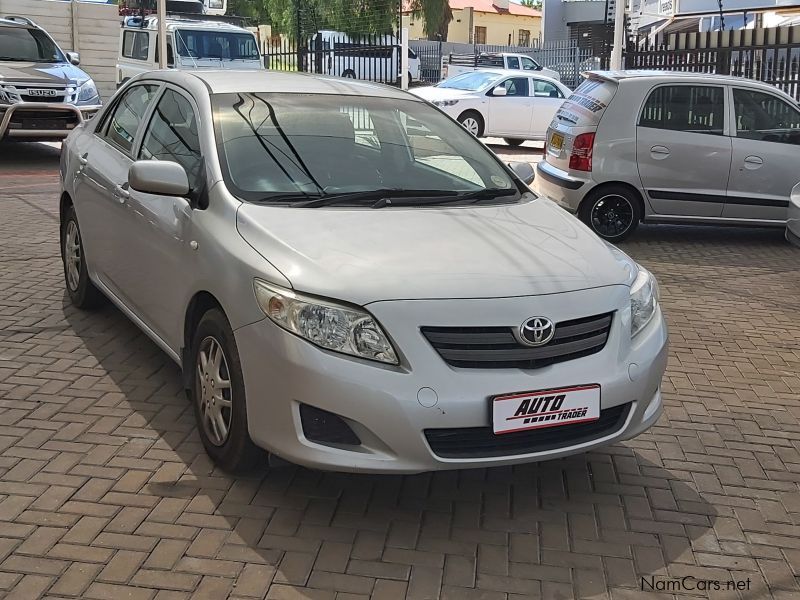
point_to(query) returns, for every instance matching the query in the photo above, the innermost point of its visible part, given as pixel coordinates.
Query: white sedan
(499, 103)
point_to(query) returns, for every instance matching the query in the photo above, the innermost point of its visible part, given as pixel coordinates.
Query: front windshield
(28, 45)
(278, 146)
(220, 45)
(470, 81)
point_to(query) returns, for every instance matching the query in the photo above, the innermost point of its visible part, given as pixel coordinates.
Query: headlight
(329, 325)
(644, 300)
(445, 102)
(87, 91)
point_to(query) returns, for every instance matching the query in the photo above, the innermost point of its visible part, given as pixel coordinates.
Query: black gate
(768, 55)
(369, 57)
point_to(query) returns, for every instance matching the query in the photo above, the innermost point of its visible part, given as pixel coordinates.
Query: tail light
(581, 157)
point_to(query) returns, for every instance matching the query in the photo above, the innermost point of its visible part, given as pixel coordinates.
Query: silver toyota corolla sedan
(350, 280)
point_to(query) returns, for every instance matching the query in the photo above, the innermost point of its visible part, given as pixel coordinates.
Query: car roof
(10, 22)
(670, 76)
(232, 81)
(151, 23)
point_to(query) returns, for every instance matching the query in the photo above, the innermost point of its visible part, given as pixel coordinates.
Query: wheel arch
(609, 184)
(200, 304)
(63, 205)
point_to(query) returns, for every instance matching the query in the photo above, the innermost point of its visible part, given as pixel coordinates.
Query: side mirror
(524, 171)
(160, 177)
(74, 58)
(499, 91)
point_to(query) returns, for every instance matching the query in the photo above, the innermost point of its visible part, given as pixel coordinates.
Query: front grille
(44, 120)
(481, 442)
(497, 348)
(50, 99)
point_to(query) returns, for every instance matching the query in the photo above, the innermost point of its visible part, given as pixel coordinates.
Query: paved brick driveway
(105, 491)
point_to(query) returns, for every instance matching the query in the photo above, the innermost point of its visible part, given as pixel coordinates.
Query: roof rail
(18, 19)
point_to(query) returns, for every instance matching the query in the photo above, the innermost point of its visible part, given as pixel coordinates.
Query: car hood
(42, 73)
(436, 93)
(366, 255)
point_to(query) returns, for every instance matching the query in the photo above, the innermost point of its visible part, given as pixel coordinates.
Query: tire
(513, 141)
(612, 212)
(220, 410)
(472, 121)
(349, 74)
(82, 292)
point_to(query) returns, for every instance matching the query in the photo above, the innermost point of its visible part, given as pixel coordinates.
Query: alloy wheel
(471, 125)
(214, 393)
(612, 215)
(72, 255)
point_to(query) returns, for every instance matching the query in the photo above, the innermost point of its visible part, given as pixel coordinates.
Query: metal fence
(365, 57)
(768, 55)
(565, 57)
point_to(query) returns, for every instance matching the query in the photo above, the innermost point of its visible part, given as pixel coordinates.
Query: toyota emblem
(536, 331)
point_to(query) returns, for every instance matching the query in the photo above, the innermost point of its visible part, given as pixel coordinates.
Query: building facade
(497, 22)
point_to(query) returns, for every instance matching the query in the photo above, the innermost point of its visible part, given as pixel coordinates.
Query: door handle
(84, 159)
(659, 152)
(753, 162)
(121, 192)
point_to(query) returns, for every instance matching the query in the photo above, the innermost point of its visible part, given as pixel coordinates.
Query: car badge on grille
(42, 92)
(536, 331)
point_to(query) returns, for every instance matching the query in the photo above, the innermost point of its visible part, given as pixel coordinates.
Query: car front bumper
(42, 120)
(390, 407)
(793, 218)
(565, 190)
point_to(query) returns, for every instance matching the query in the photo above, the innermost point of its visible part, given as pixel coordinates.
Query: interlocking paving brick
(106, 493)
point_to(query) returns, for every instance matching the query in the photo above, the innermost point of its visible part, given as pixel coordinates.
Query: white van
(191, 44)
(370, 58)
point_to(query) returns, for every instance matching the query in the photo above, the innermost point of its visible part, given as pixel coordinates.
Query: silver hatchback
(351, 280)
(661, 147)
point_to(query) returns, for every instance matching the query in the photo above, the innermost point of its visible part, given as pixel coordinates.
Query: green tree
(436, 16)
(350, 16)
(535, 4)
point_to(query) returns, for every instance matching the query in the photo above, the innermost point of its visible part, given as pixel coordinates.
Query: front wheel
(472, 122)
(513, 141)
(218, 395)
(613, 213)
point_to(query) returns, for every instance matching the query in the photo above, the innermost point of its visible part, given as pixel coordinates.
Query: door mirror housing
(499, 91)
(161, 177)
(524, 171)
(74, 58)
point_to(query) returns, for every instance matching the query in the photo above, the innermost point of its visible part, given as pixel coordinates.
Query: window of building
(524, 37)
(480, 35)
(690, 108)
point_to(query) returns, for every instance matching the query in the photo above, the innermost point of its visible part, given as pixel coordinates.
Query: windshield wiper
(370, 196)
(452, 198)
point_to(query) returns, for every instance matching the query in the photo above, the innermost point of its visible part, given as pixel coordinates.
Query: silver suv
(659, 147)
(43, 93)
(351, 280)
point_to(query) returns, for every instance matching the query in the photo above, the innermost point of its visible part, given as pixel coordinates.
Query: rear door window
(586, 105)
(513, 62)
(689, 108)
